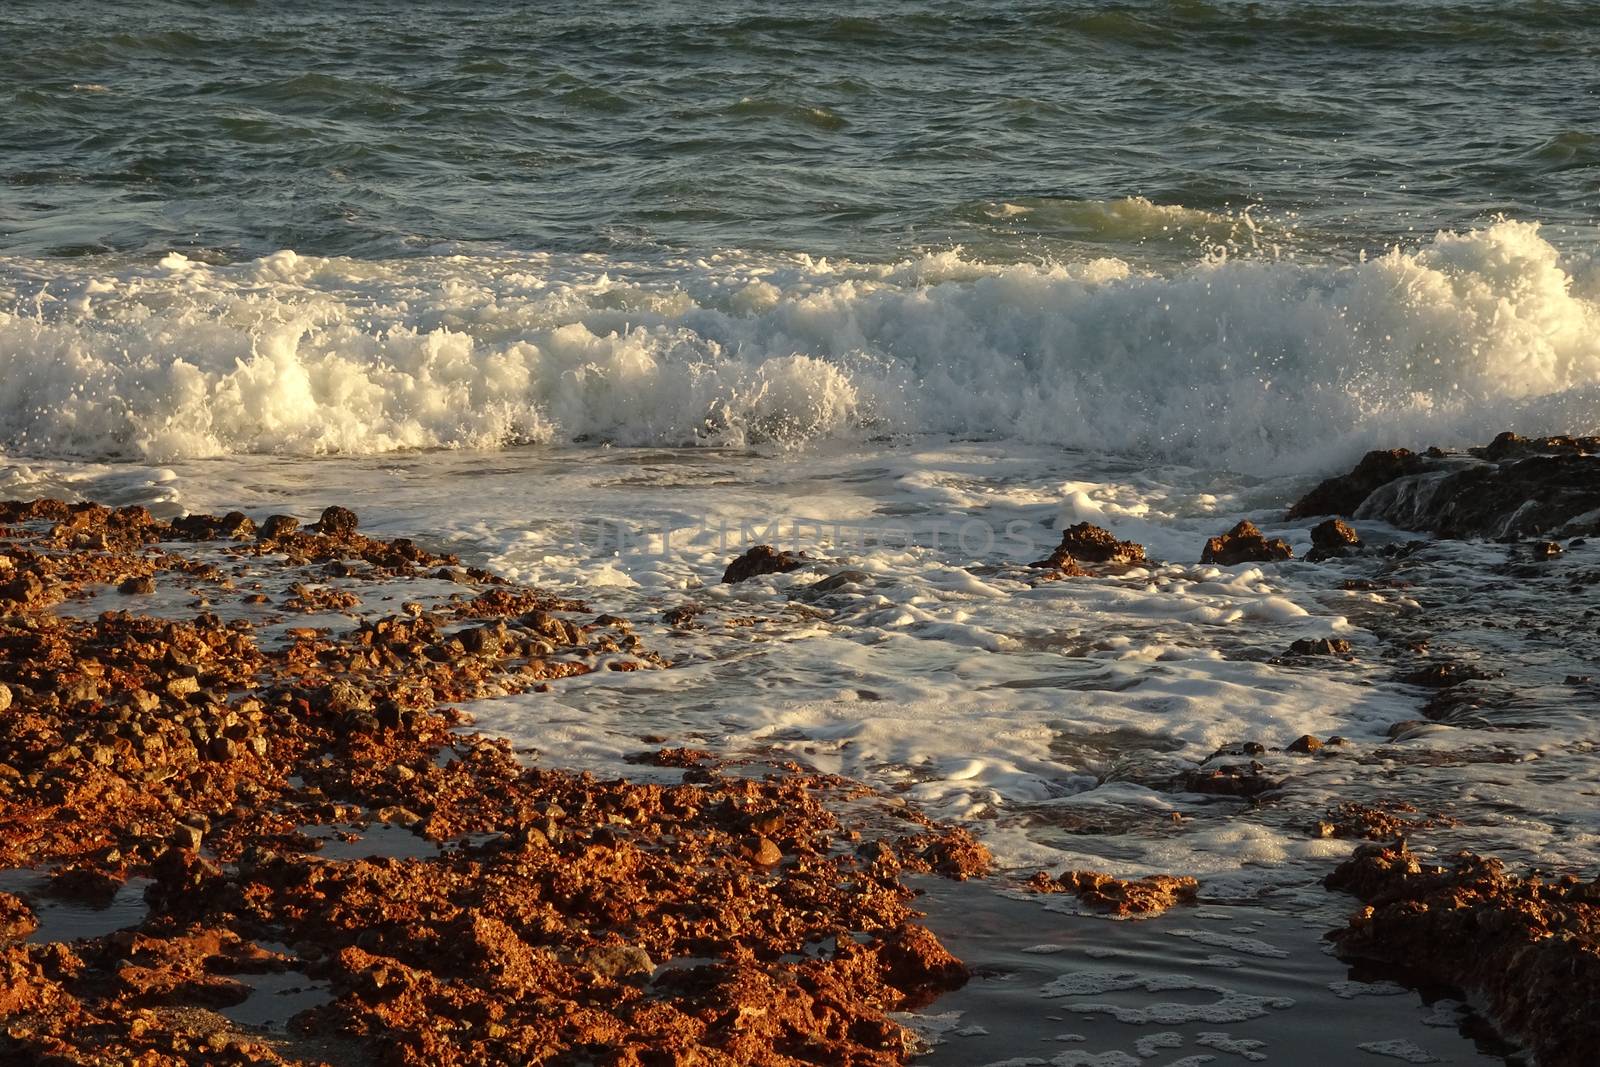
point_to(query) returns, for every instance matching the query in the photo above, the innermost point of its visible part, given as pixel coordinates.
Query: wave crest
(1253, 364)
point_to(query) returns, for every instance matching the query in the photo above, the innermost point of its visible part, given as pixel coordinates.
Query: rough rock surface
(1087, 543)
(1342, 495)
(1245, 543)
(1148, 896)
(1513, 488)
(729, 919)
(1527, 949)
(759, 560)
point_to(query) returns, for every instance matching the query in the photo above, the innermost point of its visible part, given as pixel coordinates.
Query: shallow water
(1052, 719)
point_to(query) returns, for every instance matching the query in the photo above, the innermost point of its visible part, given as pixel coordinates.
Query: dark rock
(1545, 550)
(1334, 534)
(337, 522)
(1514, 488)
(25, 588)
(1320, 646)
(1245, 544)
(1346, 493)
(139, 584)
(278, 527)
(761, 559)
(1088, 543)
(1443, 675)
(682, 615)
(840, 579)
(1305, 744)
(1229, 780)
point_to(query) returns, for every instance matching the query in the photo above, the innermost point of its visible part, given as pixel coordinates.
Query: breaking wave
(1251, 363)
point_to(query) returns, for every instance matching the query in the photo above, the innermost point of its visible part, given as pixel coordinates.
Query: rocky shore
(234, 716)
(250, 730)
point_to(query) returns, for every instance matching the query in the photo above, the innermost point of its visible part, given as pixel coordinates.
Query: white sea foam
(1248, 363)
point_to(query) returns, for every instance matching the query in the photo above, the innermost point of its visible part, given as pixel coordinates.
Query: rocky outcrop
(1245, 543)
(1145, 897)
(1527, 948)
(1513, 488)
(1344, 494)
(1087, 543)
(220, 764)
(759, 560)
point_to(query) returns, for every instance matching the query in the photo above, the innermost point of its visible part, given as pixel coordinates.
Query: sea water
(598, 297)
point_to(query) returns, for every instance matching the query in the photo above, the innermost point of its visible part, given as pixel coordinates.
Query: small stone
(137, 585)
(187, 837)
(1545, 550)
(1320, 646)
(618, 961)
(1245, 543)
(337, 522)
(1305, 744)
(761, 559)
(1334, 534)
(182, 687)
(344, 699)
(278, 527)
(398, 816)
(5, 696)
(761, 850)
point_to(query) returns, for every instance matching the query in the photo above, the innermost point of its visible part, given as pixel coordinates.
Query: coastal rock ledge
(1513, 488)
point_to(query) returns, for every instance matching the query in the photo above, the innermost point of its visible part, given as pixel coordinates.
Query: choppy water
(860, 129)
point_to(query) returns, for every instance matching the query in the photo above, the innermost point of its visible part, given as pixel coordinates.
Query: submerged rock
(1245, 543)
(759, 560)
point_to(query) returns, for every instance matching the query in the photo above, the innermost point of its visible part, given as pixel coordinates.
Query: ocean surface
(600, 295)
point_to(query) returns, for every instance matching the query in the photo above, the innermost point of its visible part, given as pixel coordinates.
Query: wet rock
(1244, 780)
(1444, 675)
(1333, 539)
(1514, 488)
(5, 697)
(839, 580)
(1320, 646)
(759, 560)
(336, 522)
(25, 588)
(1245, 543)
(1305, 744)
(17, 920)
(1087, 543)
(1334, 534)
(277, 527)
(1526, 948)
(1544, 550)
(1148, 896)
(138, 585)
(618, 961)
(683, 615)
(1345, 494)
(762, 851)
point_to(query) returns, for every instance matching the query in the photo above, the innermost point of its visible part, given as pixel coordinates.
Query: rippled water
(232, 130)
